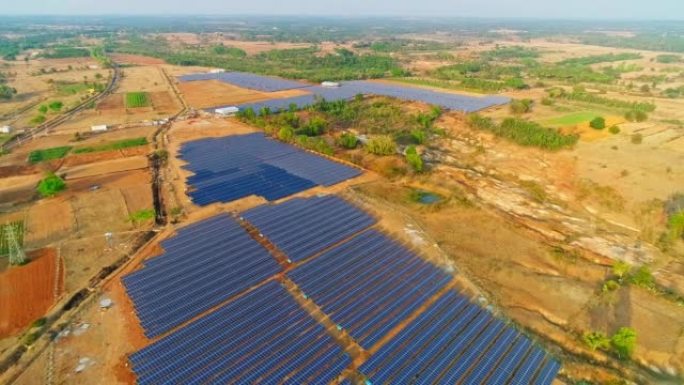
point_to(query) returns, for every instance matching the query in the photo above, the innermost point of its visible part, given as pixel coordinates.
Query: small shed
(330, 84)
(216, 70)
(99, 128)
(227, 111)
(5, 130)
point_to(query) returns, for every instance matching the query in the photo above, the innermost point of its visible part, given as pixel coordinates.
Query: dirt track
(27, 292)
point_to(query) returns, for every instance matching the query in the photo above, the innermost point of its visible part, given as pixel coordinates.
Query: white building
(99, 128)
(227, 111)
(330, 84)
(216, 71)
(5, 130)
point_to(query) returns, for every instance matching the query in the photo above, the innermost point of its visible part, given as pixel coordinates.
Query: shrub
(418, 136)
(286, 134)
(414, 160)
(51, 185)
(38, 119)
(43, 109)
(521, 106)
(637, 138)
(56, 105)
(610, 285)
(348, 140)
(624, 341)
(614, 130)
(524, 132)
(643, 278)
(636, 115)
(546, 101)
(596, 340)
(142, 216)
(381, 145)
(598, 123)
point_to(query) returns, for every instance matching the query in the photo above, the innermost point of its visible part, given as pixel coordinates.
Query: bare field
(143, 78)
(49, 221)
(27, 292)
(214, 93)
(106, 167)
(136, 59)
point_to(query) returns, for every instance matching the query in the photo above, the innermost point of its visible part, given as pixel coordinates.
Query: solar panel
(199, 270)
(369, 284)
(349, 90)
(304, 227)
(230, 168)
(261, 337)
(455, 341)
(247, 80)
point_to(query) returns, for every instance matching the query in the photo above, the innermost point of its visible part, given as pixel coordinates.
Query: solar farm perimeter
(311, 291)
(345, 91)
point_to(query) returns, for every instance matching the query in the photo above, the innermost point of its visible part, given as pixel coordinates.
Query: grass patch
(141, 216)
(68, 88)
(118, 145)
(18, 227)
(137, 99)
(524, 132)
(43, 155)
(572, 119)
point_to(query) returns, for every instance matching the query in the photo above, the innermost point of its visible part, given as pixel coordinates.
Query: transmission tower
(16, 254)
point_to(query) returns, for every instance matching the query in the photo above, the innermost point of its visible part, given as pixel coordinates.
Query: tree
(598, 123)
(56, 105)
(51, 185)
(7, 92)
(624, 341)
(43, 108)
(596, 340)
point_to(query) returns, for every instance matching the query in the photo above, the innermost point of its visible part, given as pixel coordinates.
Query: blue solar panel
(369, 284)
(455, 341)
(262, 337)
(247, 80)
(348, 90)
(234, 167)
(304, 227)
(199, 270)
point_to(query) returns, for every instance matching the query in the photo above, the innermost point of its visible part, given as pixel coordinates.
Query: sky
(557, 9)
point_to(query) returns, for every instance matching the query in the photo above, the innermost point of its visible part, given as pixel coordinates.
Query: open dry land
(214, 93)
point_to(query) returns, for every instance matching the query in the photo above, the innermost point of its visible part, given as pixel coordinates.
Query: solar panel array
(347, 90)
(263, 337)
(369, 284)
(304, 227)
(203, 266)
(233, 167)
(455, 341)
(247, 80)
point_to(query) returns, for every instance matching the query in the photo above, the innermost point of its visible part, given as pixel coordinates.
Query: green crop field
(118, 145)
(137, 99)
(572, 119)
(18, 233)
(43, 155)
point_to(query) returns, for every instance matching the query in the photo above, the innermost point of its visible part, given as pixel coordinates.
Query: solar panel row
(455, 341)
(233, 167)
(247, 80)
(197, 273)
(262, 337)
(369, 284)
(304, 227)
(348, 90)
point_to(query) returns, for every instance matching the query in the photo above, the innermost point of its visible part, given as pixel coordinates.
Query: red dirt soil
(27, 292)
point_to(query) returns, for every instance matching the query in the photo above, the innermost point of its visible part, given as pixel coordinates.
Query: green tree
(43, 108)
(51, 185)
(598, 123)
(56, 105)
(7, 92)
(624, 342)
